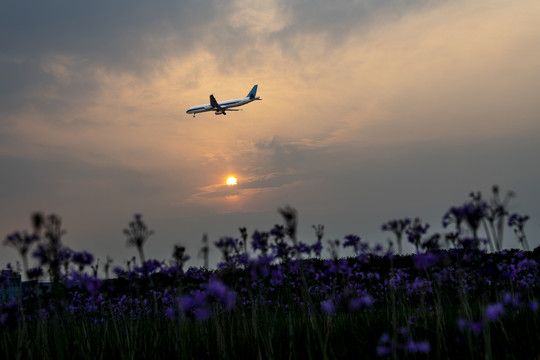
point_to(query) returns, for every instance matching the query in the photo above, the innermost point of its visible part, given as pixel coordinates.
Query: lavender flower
(494, 311)
(260, 241)
(200, 303)
(82, 259)
(403, 344)
(328, 307)
(424, 261)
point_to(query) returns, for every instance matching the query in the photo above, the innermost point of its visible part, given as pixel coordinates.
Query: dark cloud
(113, 34)
(275, 180)
(21, 82)
(279, 155)
(335, 21)
(122, 37)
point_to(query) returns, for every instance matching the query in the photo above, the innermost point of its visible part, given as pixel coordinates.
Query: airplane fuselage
(227, 104)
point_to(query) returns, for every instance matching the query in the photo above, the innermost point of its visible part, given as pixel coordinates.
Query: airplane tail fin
(253, 92)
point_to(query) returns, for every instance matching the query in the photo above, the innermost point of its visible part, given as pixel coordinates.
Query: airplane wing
(214, 103)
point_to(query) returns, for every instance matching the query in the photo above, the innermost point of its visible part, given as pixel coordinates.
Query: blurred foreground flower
(200, 304)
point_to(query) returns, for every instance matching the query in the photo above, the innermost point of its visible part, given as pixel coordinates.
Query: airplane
(223, 106)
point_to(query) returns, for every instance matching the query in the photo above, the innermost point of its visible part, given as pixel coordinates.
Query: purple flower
(462, 324)
(510, 300)
(418, 347)
(385, 346)
(277, 277)
(352, 241)
(202, 314)
(278, 232)
(260, 241)
(65, 253)
(90, 283)
(41, 254)
(118, 271)
(383, 350)
(467, 325)
(356, 304)
(534, 305)
(423, 261)
(82, 258)
(216, 288)
(170, 313)
(303, 248)
(494, 311)
(517, 221)
(148, 267)
(378, 249)
(317, 248)
(328, 307)
(199, 304)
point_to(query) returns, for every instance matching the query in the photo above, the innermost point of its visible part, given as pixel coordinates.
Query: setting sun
(231, 180)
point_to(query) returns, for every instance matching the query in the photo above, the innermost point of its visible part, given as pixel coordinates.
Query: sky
(372, 110)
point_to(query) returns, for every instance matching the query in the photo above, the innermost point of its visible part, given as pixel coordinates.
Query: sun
(231, 180)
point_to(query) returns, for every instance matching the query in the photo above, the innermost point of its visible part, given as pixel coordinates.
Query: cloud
(258, 17)
(115, 34)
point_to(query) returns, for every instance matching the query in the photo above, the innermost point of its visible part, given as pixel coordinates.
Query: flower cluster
(281, 276)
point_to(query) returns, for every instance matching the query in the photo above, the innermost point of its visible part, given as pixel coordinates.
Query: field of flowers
(461, 294)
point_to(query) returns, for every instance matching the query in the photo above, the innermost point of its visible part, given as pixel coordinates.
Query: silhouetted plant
(496, 212)
(478, 212)
(518, 223)
(107, 266)
(137, 233)
(290, 216)
(319, 232)
(397, 227)
(22, 242)
(204, 252)
(415, 231)
(179, 256)
(51, 253)
(259, 241)
(334, 248)
(244, 236)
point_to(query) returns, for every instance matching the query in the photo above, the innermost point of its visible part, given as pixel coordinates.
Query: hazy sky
(372, 110)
